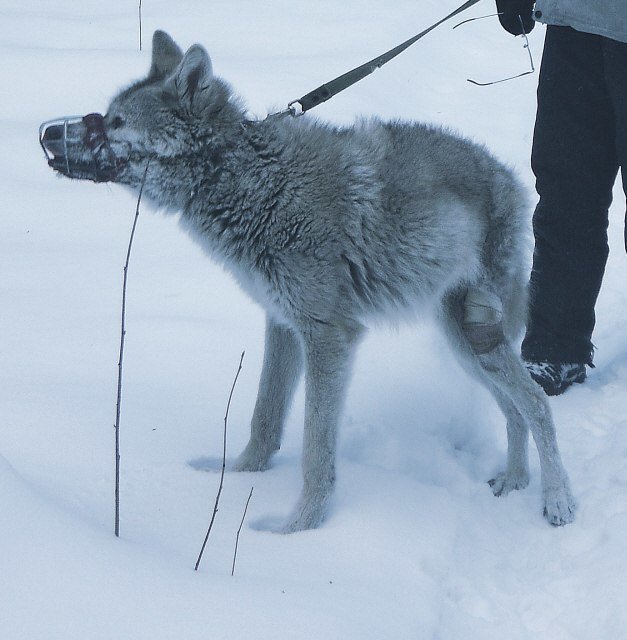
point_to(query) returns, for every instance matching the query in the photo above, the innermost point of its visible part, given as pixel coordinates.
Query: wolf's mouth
(81, 171)
(97, 162)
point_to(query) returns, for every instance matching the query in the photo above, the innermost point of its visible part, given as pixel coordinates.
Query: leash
(326, 91)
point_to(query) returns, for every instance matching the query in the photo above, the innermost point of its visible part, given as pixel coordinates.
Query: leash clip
(290, 110)
(295, 112)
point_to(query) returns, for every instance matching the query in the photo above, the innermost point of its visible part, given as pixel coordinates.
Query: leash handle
(326, 91)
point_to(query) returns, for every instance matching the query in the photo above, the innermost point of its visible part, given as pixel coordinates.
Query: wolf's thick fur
(330, 228)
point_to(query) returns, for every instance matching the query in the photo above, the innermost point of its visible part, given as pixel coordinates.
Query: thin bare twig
(140, 25)
(118, 404)
(215, 507)
(241, 524)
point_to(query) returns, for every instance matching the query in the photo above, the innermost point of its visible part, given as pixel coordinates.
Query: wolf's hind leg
(506, 371)
(516, 474)
(472, 322)
(483, 328)
(522, 401)
(483, 320)
(281, 371)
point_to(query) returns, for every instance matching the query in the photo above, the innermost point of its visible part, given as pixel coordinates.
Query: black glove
(511, 12)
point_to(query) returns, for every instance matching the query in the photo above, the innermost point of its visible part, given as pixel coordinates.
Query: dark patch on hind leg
(483, 320)
(484, 338)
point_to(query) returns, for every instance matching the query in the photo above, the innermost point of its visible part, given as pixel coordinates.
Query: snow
(415, 546)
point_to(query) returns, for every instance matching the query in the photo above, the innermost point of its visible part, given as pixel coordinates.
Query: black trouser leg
(615, 60)
(575, 162)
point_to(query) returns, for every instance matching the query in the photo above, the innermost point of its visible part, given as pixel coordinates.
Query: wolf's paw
(252, 459)
(272, 524)
(559, 506)
(308, 514)
(302, 522)
(297, 522)
(506, 482)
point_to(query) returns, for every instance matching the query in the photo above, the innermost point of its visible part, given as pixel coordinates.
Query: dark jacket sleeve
(516, 15)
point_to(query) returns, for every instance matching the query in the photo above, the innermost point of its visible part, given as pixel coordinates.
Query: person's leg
(574, 160)
(615, 54)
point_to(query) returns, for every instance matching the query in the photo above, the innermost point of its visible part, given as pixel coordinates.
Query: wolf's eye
(117, 123)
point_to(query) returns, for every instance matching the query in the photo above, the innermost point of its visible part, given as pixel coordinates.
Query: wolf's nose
(52, 139)
(53, 132)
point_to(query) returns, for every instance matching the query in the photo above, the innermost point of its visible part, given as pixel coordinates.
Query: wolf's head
(173, 112)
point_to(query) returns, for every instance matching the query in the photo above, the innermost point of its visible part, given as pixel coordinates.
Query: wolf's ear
(166, 55)
(193, 82)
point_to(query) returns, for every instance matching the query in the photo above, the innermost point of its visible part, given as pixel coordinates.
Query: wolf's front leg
(282, 368)
(329, 351)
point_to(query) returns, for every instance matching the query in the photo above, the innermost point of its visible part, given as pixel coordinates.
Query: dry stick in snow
(121, 360)
(241, 524)
(215, 507)
(140, 25)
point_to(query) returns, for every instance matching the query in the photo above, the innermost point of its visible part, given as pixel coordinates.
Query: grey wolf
(330, 229)
(580, 142)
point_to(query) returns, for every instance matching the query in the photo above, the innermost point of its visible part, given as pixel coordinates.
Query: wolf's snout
(78, 147)
(55, 135)
(52, 139)
(52, 133)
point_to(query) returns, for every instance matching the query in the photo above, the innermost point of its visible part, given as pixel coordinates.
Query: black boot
(556, 377)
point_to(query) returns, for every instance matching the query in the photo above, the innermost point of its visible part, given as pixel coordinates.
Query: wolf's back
(427, 160)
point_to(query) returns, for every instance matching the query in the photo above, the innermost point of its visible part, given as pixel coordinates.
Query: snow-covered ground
(416, 546)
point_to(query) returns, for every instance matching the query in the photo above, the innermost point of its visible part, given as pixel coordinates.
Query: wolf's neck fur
(227, 191)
